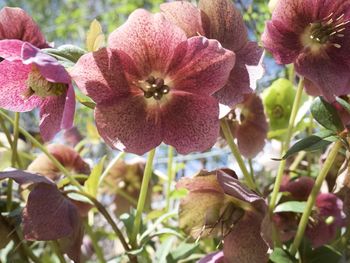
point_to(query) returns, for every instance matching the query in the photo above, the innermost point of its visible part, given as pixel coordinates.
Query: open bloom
(315, 36)
(152, 84)
(31, 78)
(219, 19)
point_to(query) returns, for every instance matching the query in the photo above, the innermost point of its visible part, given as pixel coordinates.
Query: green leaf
(344, 104)
(66, 53)
(164, 250)
(86, 101)
(281, 256)
(312, 143)
(326, 115)
(182, 251)
(291, 206)
(92, 183)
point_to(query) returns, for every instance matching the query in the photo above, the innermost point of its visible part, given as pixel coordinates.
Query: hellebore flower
(218, 204)
(315, 36)
(152, 84)
(31, 78)
(66, 155)
(327, 218)
(248, 124)
(49, 214)
(220, 20)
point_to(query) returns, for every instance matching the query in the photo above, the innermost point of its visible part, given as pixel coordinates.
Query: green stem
(235, 151)
(142, 198)
(97, 249)
(56, 247)
(6, 131)
(312, 197)
(170, 176)
(45, 151)
(111, 165)
(285, 146)
(15, 158)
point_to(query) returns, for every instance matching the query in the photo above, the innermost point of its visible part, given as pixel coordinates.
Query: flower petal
(247, 70)
(48, 215)
(199, 119)
(331, 77)
(17, 24)
(25, 178)
(150, 40)
(47, 65)
(13, 85)
(226, 23)
(52, 111)
(100, 74)
(194, 64)
(11, 49)
(185, 15)
(216, 257)
(129, 125)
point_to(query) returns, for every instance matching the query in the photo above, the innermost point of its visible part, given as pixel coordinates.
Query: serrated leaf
(312, 143)
(326, 115)
(92, 183)
(291, 206)
(281, 256)
(95, 39)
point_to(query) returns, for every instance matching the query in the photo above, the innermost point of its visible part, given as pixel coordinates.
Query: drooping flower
(219, 205)
(219, 19)
(31, 78)
(152, 84)
(248, 124)
(314, 35)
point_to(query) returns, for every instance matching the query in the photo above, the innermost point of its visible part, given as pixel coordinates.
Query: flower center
(153, 88)
(39, 86)
(328, 30)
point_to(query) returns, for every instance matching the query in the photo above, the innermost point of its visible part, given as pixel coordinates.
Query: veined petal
(200, 66)
(150, 40)
(13, 86)
(190, 122)
(11, 49)
(226, 23)
(101, 76)
(185, 15)
(17, 24)
(129, 124)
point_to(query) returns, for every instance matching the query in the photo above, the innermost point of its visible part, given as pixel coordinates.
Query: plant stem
(234, 149)
(56, 247)
(285, 146)
(46, 152)
(170, 176)
(142, 198)
(97, 249)
(312, 197)
(111, 165)
(15, 157)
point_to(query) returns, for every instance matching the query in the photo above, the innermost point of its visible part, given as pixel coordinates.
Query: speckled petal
(196, 62)
(190, 122)
(13, 85)
(52, 112)
(101, 76)
(128, 124)
(17, 24)
(11, 49)
(185, 15)
(247, 70)
(150, 40)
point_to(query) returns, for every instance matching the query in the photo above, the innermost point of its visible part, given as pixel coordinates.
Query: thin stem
(6, 131)
(285, 146)
(46, 152)
(111, 165)
(312, 197)
(56, 247)
(109, 219)
(234, 149)
(170, 176)
(142, 198)
(15, 157)
(97, 249)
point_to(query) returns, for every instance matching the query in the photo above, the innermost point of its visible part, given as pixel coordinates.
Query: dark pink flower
(30, 79)
(220, 20)
(152, 84)
(315, 36)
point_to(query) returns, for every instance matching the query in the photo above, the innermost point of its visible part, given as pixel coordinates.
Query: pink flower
(219, 19)
(31, 78)
(152, 84)
(315, 36)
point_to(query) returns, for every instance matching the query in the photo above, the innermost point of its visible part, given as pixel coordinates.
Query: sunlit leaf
(92, 183)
